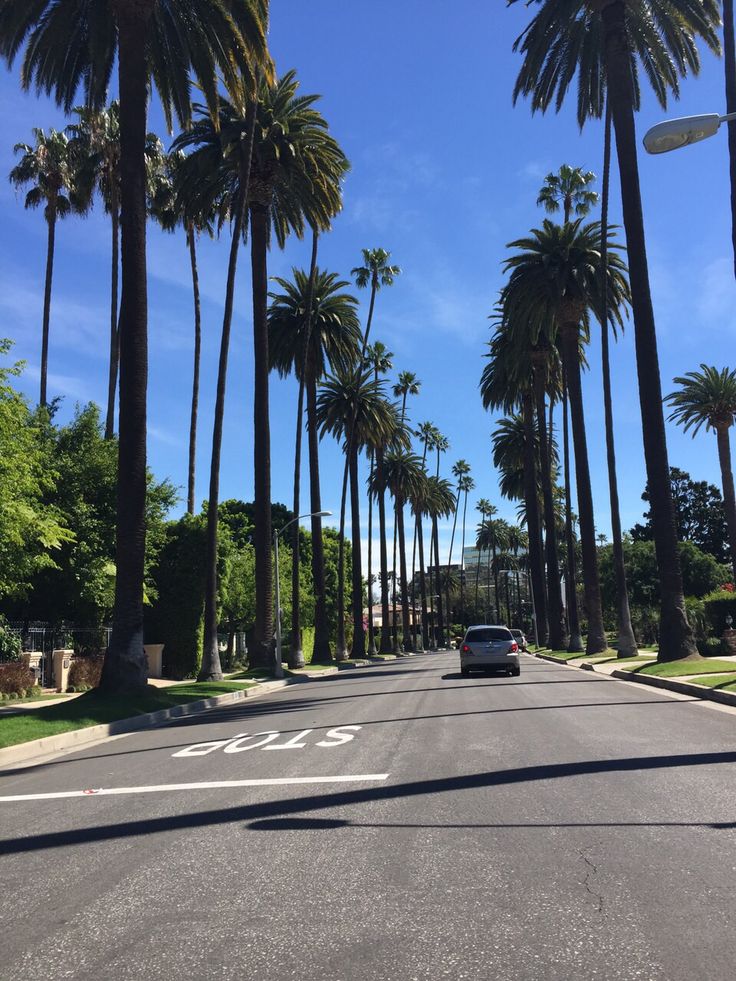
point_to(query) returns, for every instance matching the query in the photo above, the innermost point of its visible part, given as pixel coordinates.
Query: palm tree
(95, 140)
(555, 278)
(419, 508)
(403, 476)
(222, 44)
(468, 484)
(440, 503)
(486, 510)
(459, 471)
(729, 60)
(708, 398)
(355, 410)
(603, 42)
(312, 345)
(569, 189)
(379, 359)
(172, 210)
(50, 168)
(376, 272)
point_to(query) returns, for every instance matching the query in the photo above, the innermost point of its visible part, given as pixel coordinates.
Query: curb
(668, 684)
(80, 737)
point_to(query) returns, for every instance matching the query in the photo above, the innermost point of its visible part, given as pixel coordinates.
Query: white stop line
(207, 785)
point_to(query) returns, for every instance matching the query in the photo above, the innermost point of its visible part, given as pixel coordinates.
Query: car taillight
(465, 649)
(514, 647)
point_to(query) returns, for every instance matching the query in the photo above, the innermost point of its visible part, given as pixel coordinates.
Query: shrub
(718, 605)
(711, 647)
(176, 620)
(15, 678)
(84, 673)
(9, 642)
(695, 609)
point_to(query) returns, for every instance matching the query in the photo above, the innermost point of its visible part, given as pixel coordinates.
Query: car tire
(465, 672)
(516, 672)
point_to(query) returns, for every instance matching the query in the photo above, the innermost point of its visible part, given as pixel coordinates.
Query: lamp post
(279, 668)
(675, 133)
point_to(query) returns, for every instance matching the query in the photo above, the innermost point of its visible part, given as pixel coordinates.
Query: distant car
(489, 648)
(520, 638)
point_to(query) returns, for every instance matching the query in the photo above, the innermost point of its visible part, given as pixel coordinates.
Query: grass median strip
(724, 682)
(93, 709)
(680, 669)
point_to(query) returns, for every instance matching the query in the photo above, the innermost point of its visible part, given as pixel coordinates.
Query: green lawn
(92, 709)
(642, 659)
(725, 681)
(677, 669)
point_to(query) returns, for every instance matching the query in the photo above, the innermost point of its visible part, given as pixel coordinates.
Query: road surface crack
(591, 871)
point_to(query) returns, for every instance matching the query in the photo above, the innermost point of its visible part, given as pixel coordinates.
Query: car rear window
(482, 635)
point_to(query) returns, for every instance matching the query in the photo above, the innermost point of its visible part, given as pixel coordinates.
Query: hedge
(718, 606)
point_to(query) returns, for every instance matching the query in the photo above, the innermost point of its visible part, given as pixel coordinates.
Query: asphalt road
(559, 825)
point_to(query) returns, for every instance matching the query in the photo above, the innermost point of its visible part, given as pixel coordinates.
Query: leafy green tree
(708, 398)
(569, 189)
(32, 531)
(219, 43)
(604, 42)
(50, 168)
(699, 515)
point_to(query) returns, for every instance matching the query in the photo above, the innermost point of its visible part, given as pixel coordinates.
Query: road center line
(208, 785)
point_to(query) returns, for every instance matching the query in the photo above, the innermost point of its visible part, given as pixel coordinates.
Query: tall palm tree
(51, 169)
(425, 432)
(380, 361)
(485, 509)
(220, 43)
(708, 398)
(407, 384)
(297, 171)
(604, 42)
(376, 272)
(440, 503)
(555, 277)
(172, 210)
(729, 61)
(460, 470)
(215, 177)
(468, 484)
(403, 475)
(354, 410)
(419, 508)
(328, 340)
(570, 190)
(95, 139)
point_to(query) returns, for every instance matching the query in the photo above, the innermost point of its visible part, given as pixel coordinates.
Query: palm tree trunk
(394, 619)
(729, 499)
(492, 568)
(440, 621)
(557, 637)
(51, 222)
(536, 561)
(358, 645)
(575, 643)
(408, 647)
(296, 657)
(449, 563)
(430, 607)
(125, 666)
(322, 652)
(211, 669)
(729, 61)
(596, 642)
(262, 655)
(675, 633)
(112, 378)
(477, 567)
(417, 631)
(422, 584)
(195, 376)
(626, 643)
(462, 565)
(386, 644)
(371, 632)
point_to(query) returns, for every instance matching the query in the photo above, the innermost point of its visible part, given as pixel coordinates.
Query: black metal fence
(41, 638)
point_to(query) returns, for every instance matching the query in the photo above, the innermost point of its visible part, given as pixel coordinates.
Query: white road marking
(208, 785)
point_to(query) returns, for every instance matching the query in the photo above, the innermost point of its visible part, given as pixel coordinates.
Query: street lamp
(279, 672)
(675, 133)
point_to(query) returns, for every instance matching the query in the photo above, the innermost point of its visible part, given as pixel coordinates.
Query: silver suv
(489, 648)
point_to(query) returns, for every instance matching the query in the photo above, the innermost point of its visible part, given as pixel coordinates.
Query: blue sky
(445, 172)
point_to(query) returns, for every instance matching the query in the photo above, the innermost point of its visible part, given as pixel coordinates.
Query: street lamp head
(322, 514)
(675, 133)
